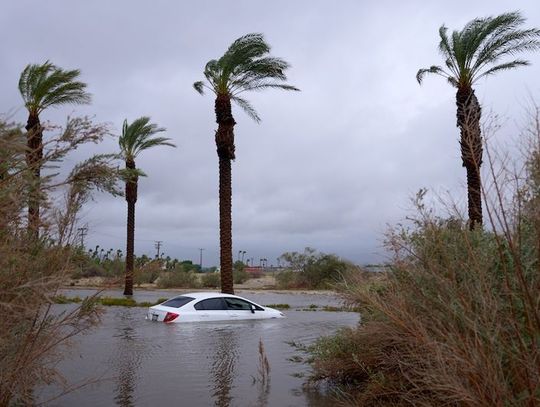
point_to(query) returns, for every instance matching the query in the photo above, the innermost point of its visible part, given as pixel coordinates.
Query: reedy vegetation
(245, 66)
(473, 53)
(457, 320)
(33, 337)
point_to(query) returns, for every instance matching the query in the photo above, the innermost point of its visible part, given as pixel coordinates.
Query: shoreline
(185, 290)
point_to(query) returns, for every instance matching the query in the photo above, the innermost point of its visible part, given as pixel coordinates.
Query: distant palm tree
(245, 66)
(470, 54)
(43, 86)
(136, 137)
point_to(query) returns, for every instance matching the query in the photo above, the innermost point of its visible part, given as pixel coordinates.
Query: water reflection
(263, 377)
(127, 360)
(200, 364)
(223, 365)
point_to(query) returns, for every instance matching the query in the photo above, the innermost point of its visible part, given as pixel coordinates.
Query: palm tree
(245, 66)
(473, 53)
(43, 86)
(136, 137)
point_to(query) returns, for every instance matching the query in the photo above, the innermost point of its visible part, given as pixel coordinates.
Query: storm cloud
(328, 167)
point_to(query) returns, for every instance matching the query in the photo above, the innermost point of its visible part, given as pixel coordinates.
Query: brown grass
(33, 334)
(457, 321)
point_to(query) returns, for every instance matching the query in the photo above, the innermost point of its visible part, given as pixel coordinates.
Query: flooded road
(140, 363)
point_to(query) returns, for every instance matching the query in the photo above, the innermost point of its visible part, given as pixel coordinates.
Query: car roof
(204, 295)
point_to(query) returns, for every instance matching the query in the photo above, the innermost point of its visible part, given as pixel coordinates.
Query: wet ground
(134, 362)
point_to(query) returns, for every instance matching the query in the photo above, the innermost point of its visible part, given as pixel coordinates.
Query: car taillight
(171, 316)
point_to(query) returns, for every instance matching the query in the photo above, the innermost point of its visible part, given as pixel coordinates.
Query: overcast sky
(329, 167)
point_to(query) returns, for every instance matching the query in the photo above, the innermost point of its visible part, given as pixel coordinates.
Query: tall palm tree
(136, 137)
(473, 53)
(245, 66)
(43, 86)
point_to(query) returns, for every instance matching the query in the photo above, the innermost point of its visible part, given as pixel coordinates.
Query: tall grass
(457, 320)
(32, 334)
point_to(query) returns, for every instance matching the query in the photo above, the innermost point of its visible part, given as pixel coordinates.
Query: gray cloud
(329, 167)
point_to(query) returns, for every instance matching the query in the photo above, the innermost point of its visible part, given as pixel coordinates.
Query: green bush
(311, 269)
(287, 279)
(240, 276)
(147, 274)
(176, 279)
(88, 270)
(211, 280)
(452, 324)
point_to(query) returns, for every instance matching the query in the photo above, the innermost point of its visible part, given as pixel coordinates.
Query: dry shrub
(178, 279)
(211, 280)
(457, 321)
(33, 333)
(147, 274)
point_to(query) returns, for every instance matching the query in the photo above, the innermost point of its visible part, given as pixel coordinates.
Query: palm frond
(247, 107)
(483, 42)
(199, 87)
(245, 66)
(504, 67)
(266, 85)
(47, 85)
(437, 70)
(138, 136)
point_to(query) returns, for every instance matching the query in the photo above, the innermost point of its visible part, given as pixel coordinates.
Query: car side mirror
(252, 308)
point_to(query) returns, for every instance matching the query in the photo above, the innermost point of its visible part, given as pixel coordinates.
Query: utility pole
(200, 258)
(82, 233)
(158, 246)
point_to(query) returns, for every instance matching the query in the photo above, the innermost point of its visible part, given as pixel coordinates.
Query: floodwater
(133, 362)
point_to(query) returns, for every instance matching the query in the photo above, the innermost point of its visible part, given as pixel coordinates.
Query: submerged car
(197, 307)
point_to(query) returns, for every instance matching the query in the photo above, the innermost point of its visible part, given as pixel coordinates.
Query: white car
(197, 307)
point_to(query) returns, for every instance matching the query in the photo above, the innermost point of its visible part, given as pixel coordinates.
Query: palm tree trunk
(131, 198)
(34, 156)
(225, 225)
(225, 151)
(468, 120)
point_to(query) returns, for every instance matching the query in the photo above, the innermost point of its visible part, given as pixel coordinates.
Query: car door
(211, 309)
(241, 309)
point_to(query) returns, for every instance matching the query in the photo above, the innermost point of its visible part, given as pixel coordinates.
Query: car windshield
(177, 302)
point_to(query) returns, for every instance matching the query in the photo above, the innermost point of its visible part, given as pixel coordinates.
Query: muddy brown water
(134, 362)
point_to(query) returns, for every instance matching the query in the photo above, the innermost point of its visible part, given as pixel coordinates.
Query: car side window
(210, 304)
(238, 304)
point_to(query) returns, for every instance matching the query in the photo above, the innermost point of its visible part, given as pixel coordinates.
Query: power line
(158, 246)
(82, 233)
(200, 258)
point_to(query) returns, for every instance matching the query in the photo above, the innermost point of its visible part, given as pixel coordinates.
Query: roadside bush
(255, 273)
(211, 280)
(287, 279)
(240, 276)
(175, 279)
(147, 274)
(457, 320)
(312, 270)
(89, 270)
